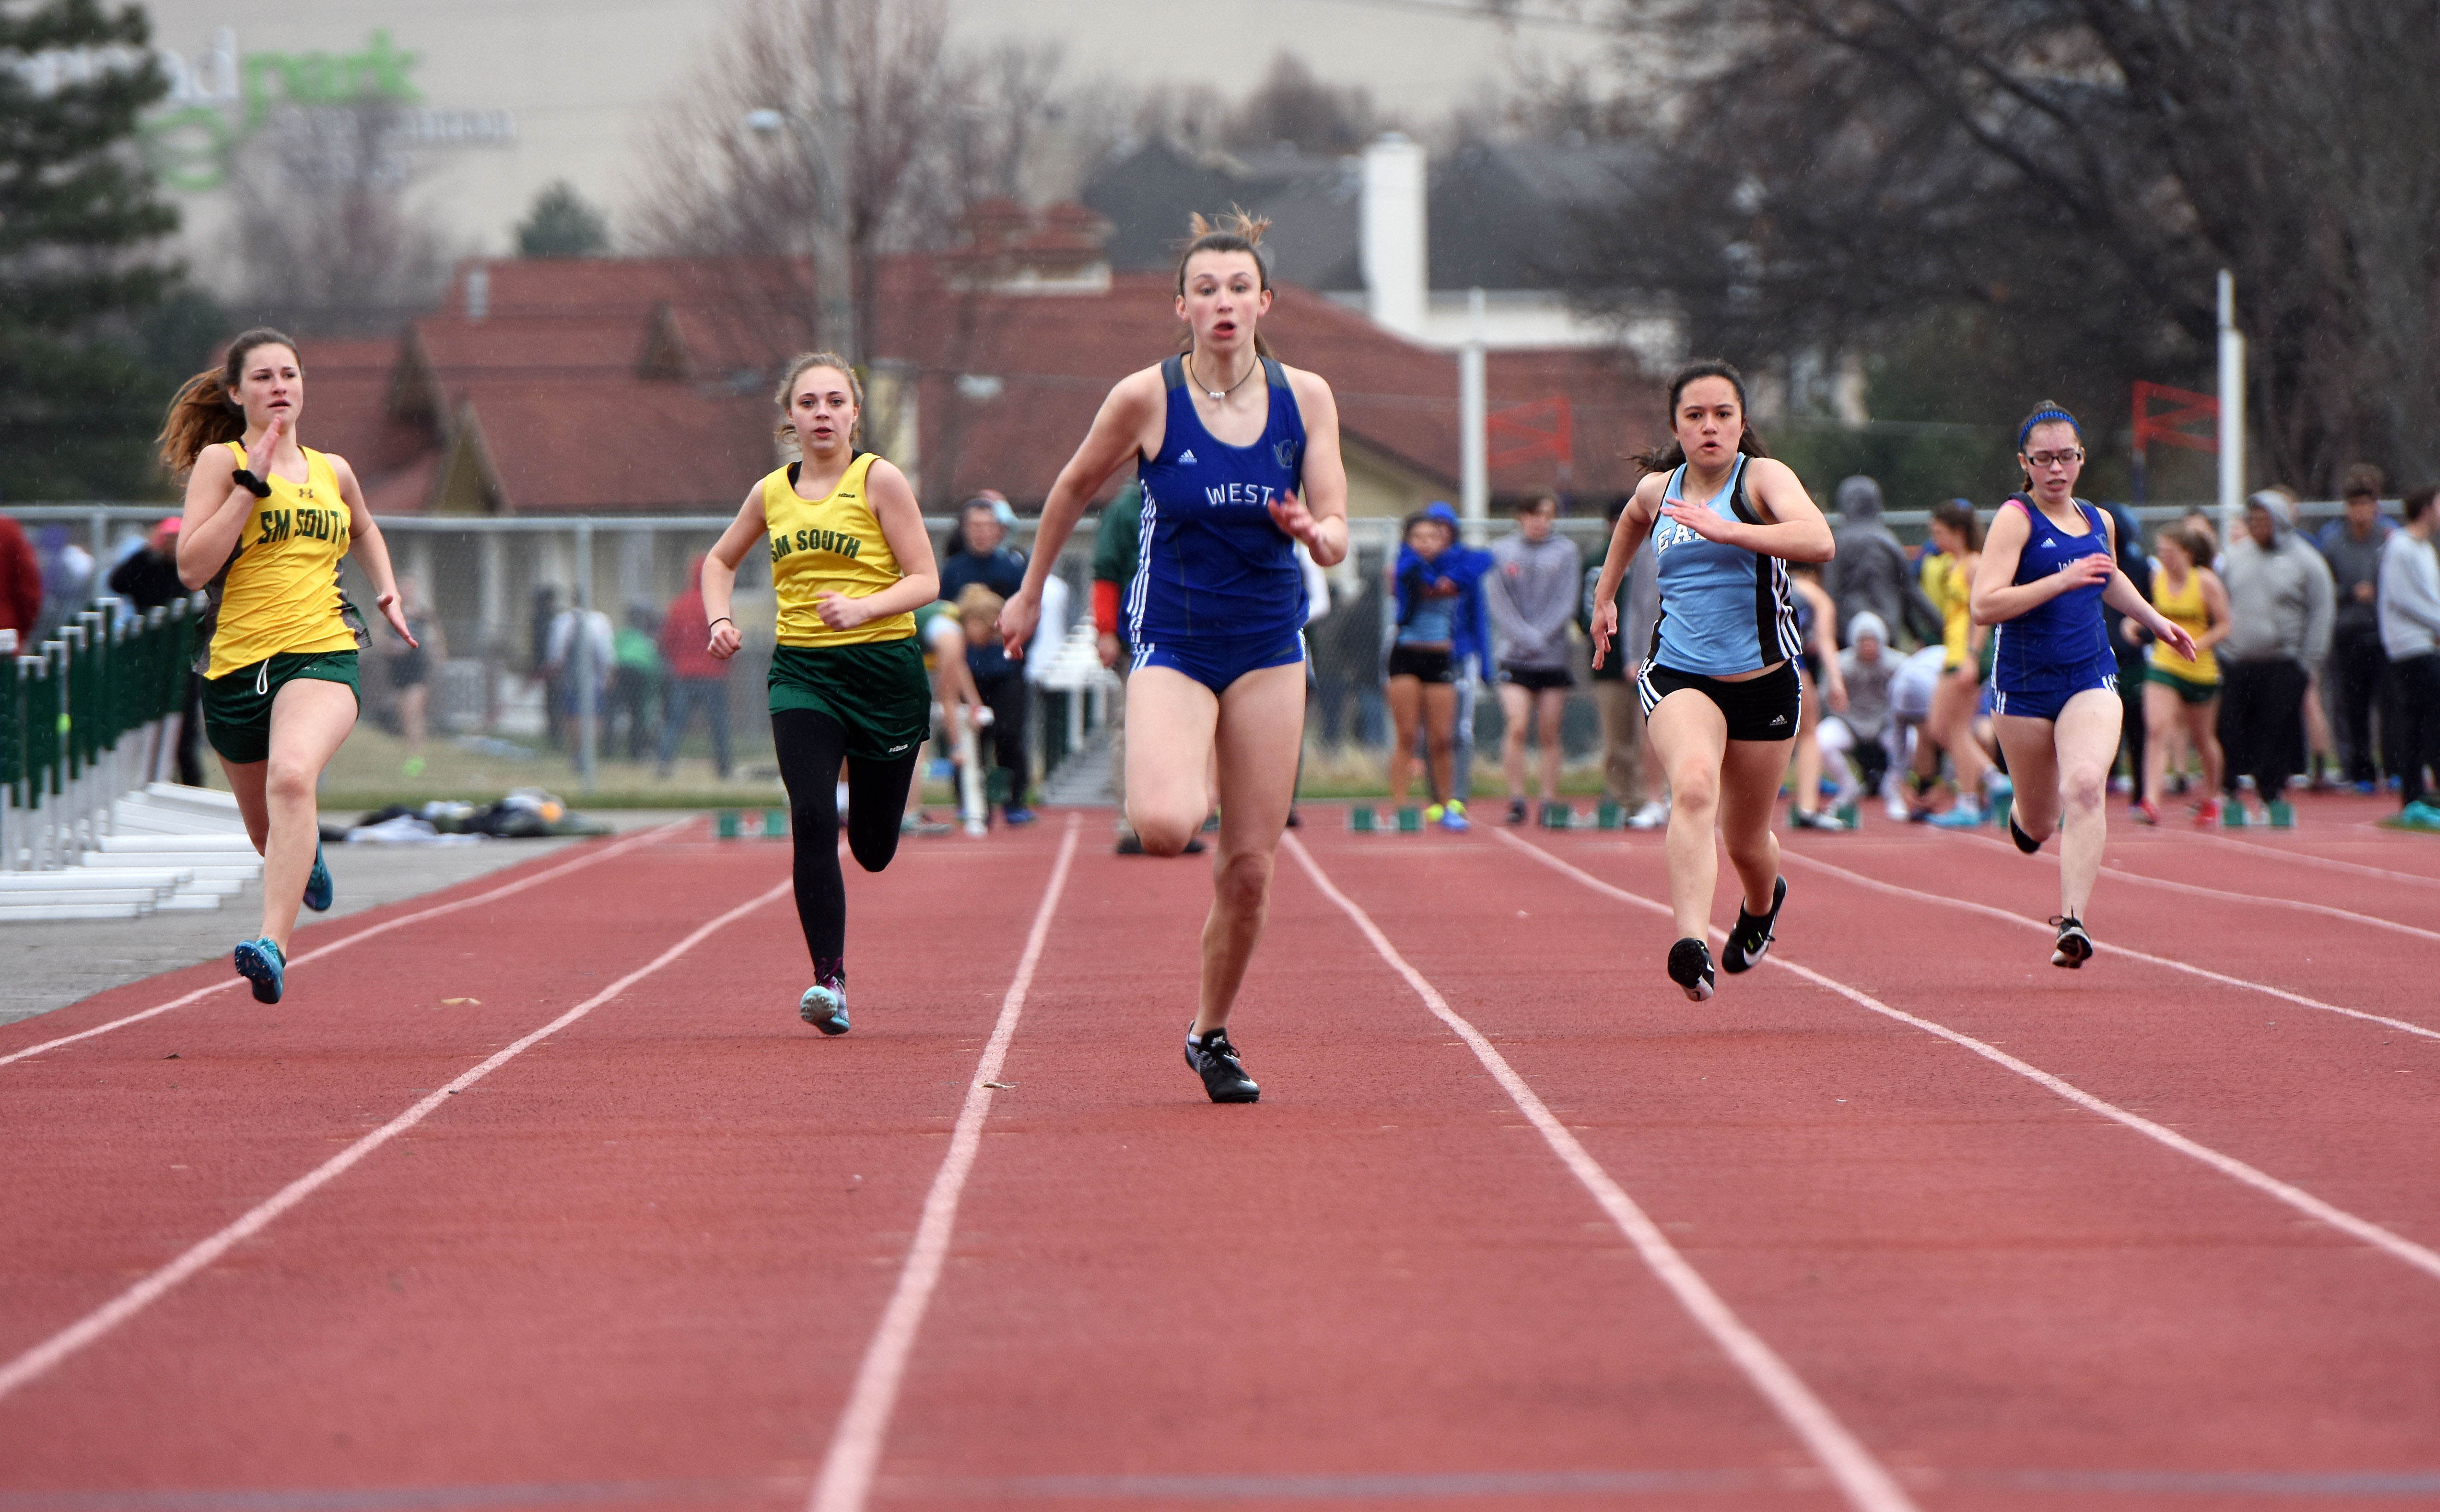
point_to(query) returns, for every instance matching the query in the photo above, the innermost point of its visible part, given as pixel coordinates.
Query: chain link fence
(490, 597)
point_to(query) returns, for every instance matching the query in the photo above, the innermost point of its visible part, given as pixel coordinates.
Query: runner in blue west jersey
(1239, 459)
(2049, 563)
(1720, 694)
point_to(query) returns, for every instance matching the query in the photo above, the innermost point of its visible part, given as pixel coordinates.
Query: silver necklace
(1222, 393)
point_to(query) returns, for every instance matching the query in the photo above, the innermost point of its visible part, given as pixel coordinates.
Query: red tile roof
(642, 385)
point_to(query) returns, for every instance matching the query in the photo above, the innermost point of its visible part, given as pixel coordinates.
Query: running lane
(1377, 1288)
(635, 1265)
(2028, 1304)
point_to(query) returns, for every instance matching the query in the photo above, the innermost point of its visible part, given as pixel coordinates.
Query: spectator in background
(2409, 632)
(1821, 683)
(1466, 566)
(634, 677)
(1614, 694)
(1872, 572)
(1530, 593)
(576, 663)
(1422, 669)
(148, 580)
(696, 679)
(2129, 649)
(21, 583)
(1001, 682)
(410, 672)
(539, 620)
(1857, 736)
(67, 578)
(2198, 521)
(2358, 668)
(987, 559)
(2280, 612)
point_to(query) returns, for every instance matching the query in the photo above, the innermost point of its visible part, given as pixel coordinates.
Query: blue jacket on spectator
(1002, 572)
(1469, 617)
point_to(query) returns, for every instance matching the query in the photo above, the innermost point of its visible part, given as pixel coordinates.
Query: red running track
(1904, 1217)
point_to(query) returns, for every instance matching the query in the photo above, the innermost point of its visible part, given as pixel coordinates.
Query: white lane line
(588, 859)
(1866, 1485)
(2328, 862)
(50, 1352)
(2422, 1258)
(846, 1482)
(2132, 955)
(2193, 890)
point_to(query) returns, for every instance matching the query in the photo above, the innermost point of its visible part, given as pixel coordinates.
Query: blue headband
(2045, 417)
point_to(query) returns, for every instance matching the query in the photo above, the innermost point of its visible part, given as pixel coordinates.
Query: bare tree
(327, 239)
(2063, 176)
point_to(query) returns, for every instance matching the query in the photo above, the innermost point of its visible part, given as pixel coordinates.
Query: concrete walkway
(46, 965)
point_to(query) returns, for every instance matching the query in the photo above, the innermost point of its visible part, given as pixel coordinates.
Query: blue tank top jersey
(1211, 565)
(2061, 645)
(1724, 610)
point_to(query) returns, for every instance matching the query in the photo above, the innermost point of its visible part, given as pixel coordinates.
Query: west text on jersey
(1241, 493)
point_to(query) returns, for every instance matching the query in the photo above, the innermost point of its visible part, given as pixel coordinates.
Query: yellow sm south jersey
(830, 544)
(282, 591)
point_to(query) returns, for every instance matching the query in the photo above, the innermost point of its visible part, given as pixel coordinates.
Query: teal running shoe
(317, 884)
(261, 962)
(824, 1006)
(1964, 816)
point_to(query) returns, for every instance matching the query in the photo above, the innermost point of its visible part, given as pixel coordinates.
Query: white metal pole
(2232, 411)
(1474, 464)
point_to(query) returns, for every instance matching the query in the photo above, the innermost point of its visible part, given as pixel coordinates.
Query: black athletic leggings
(812, 747)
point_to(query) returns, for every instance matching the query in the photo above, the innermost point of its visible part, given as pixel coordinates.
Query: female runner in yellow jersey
(1949, 582)
(265, 526)
(850, 564)
(2180, 695)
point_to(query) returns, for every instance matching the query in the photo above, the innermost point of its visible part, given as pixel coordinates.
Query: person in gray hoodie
(2409, 632)
(1531, 592)
(1872, 573)
(2281, 606)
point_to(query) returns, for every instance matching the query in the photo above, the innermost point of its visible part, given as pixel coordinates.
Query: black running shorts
(1759, 708)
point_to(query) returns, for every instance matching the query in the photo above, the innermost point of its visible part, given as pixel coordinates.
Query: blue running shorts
(1216, 663)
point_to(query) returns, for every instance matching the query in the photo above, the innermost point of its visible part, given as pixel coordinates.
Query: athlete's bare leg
(2202, 731)
(2161, 717)
(1952, 723)
(1808, 749)
(274, 796)
(1516, 707)
(1550, 708)
(1690, 737)
(1439, 736)
(1256, 739)
(1406, 708)
(2062, 776)
(1171, 719)
(1749, 776)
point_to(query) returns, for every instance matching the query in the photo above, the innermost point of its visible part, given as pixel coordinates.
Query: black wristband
(723, 618)
(251, 484)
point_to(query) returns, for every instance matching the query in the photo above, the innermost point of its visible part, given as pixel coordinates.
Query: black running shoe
(2024, 842)
(2075, 945)
(1223, 1077)
(1690, 967)
(1751, 940)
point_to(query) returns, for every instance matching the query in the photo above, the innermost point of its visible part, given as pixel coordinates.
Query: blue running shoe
(317, 884)
(824, 1007)
(1964, 816)
(261, 962)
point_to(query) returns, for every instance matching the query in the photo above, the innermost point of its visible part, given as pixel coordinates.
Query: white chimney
(479, 291)
(1397, 282)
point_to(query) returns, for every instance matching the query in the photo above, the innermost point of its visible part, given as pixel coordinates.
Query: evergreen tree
(79, 209)
(562, 225)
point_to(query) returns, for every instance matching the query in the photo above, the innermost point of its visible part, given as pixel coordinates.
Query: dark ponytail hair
(1238, 231)
(1957, 515)
(1671, 453)
(206, 411)
(2049, 412)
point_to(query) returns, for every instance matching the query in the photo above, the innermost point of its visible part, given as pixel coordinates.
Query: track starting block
(2233, 815)
(1362, 820)
(2283, 814)
(1410, 821)
(1609, 815)
(1556, 815)
(751, 823)
(1850, 815)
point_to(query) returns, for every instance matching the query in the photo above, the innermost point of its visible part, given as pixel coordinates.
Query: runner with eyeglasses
(2050, 561)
